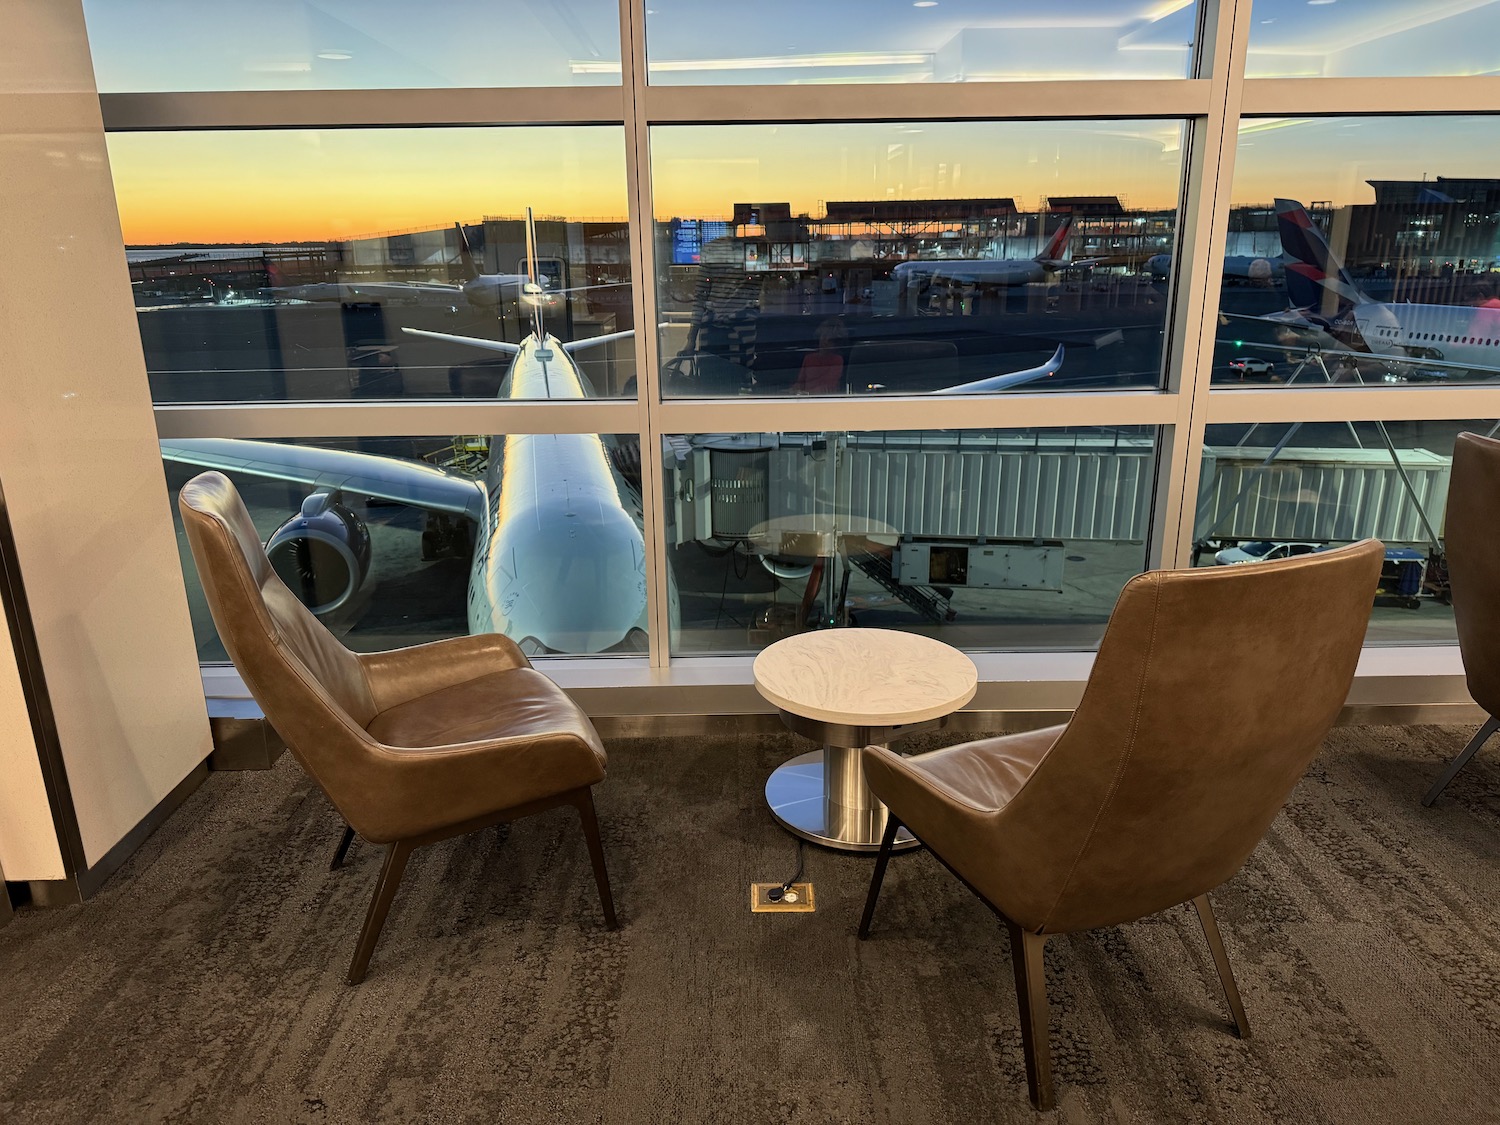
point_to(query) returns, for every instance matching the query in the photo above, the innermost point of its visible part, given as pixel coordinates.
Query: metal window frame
(1212, 102)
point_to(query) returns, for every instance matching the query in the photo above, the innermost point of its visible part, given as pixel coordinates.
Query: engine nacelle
(322, 553)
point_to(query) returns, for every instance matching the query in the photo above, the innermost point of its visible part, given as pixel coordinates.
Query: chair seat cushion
(514, 704)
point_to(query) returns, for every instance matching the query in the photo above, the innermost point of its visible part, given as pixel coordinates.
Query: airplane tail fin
(1315, 279)
(1057, 245)
(532, 291)
(464, 253)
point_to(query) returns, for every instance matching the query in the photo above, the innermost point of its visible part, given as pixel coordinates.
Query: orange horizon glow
(280, 186)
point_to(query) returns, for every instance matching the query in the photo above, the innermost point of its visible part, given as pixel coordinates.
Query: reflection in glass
(151, 45)
(700, 42)
(372, 263)
(913, 258)
(395, 541)
(1373, 38)
(1273, 491)
(1362, 251)
(987, 539)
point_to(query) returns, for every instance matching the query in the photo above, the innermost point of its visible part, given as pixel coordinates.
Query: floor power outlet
(798, 899)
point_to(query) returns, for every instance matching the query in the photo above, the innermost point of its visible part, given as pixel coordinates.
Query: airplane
(1237, 267)
(993, 271)
(559, 559)
(481, 290)
(1325, 303)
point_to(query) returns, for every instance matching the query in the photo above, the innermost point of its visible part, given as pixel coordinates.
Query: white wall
(28, 844)
(78, 457)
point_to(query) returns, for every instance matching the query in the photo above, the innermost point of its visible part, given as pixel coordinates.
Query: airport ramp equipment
(1321, 495)
(930, 603)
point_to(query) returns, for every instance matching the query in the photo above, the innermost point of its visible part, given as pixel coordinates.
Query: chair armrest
(404, 674)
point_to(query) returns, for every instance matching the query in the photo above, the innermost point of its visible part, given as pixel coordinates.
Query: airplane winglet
(1008, 380)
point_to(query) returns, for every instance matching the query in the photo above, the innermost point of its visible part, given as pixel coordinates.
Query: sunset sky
(302, 185)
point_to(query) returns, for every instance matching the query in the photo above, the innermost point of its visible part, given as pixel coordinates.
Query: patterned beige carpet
(205, 983)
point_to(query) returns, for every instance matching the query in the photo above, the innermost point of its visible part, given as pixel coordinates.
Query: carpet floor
(205, 983)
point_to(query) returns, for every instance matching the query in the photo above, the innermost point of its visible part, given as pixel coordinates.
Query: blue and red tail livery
(1314, 277)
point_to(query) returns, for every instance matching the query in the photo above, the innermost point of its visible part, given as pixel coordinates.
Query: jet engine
(322, 553)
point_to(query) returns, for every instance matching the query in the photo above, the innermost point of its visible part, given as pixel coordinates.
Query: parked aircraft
(1237, 267)
(992, 271)
(482, 290)
(1325, 303)
(559, 555)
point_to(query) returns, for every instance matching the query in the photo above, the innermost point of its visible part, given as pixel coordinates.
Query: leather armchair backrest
(310, 686)
(1472, 541)
(1211, 693)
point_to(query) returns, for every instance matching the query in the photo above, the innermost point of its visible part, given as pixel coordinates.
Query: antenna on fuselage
(532, 292)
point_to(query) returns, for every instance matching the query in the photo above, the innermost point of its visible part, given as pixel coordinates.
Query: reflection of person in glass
(822, 370)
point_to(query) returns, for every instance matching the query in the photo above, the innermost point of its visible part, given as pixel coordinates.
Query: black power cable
(775, 894)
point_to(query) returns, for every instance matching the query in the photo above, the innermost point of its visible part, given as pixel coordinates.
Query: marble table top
(865, 677)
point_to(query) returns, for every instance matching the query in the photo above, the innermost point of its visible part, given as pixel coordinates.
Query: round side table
(847, 689)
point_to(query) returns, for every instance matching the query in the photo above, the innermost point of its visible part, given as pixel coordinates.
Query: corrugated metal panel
(1056, 487)
(1322, 495)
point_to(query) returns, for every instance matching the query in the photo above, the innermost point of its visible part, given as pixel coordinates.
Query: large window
(952, 257)
(1362, 251)
(395, 541)
(701, 42)
(1378, 38)
(945, 317)
(1281, 490)
(351, 44)
(987, 539)
(375, 263)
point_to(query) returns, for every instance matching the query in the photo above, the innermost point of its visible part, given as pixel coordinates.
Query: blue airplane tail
(1315, 279)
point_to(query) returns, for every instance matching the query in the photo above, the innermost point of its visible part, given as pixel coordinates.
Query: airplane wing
(472, 341)
(588, 342)
(365, 474)
(1004, 382)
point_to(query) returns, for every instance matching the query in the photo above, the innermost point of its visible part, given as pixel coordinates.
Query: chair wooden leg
(877, 877)
(585, 805)
(385, 891)
(1462, 760)
(342, 850)
(1031, 996)
(1221, 962)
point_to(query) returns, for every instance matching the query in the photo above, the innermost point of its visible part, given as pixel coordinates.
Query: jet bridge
(1323, 495)
(952, 485)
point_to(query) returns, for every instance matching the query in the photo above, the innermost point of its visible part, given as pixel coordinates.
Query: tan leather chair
(1472, 543)
(1211, 693)
(411, 746)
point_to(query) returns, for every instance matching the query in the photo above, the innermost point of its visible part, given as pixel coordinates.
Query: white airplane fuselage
(974, 271)
(1459, 334)
(558, 560)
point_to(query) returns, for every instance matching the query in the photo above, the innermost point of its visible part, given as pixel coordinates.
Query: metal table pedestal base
(823, 797)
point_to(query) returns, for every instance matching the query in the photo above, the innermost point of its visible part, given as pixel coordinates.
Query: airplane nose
(576, 580)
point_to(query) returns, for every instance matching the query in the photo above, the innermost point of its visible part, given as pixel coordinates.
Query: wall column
(82, 479)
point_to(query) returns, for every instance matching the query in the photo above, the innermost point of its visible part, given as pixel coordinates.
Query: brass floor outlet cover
(760, 904)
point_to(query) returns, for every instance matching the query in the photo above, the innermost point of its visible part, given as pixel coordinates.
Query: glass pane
(396, 541)
(153, 45)
(1371, 38)
(1276, 490)
(987, 539)
(1362, 251)
(912, 258)
(376, 263)
(701, 42)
